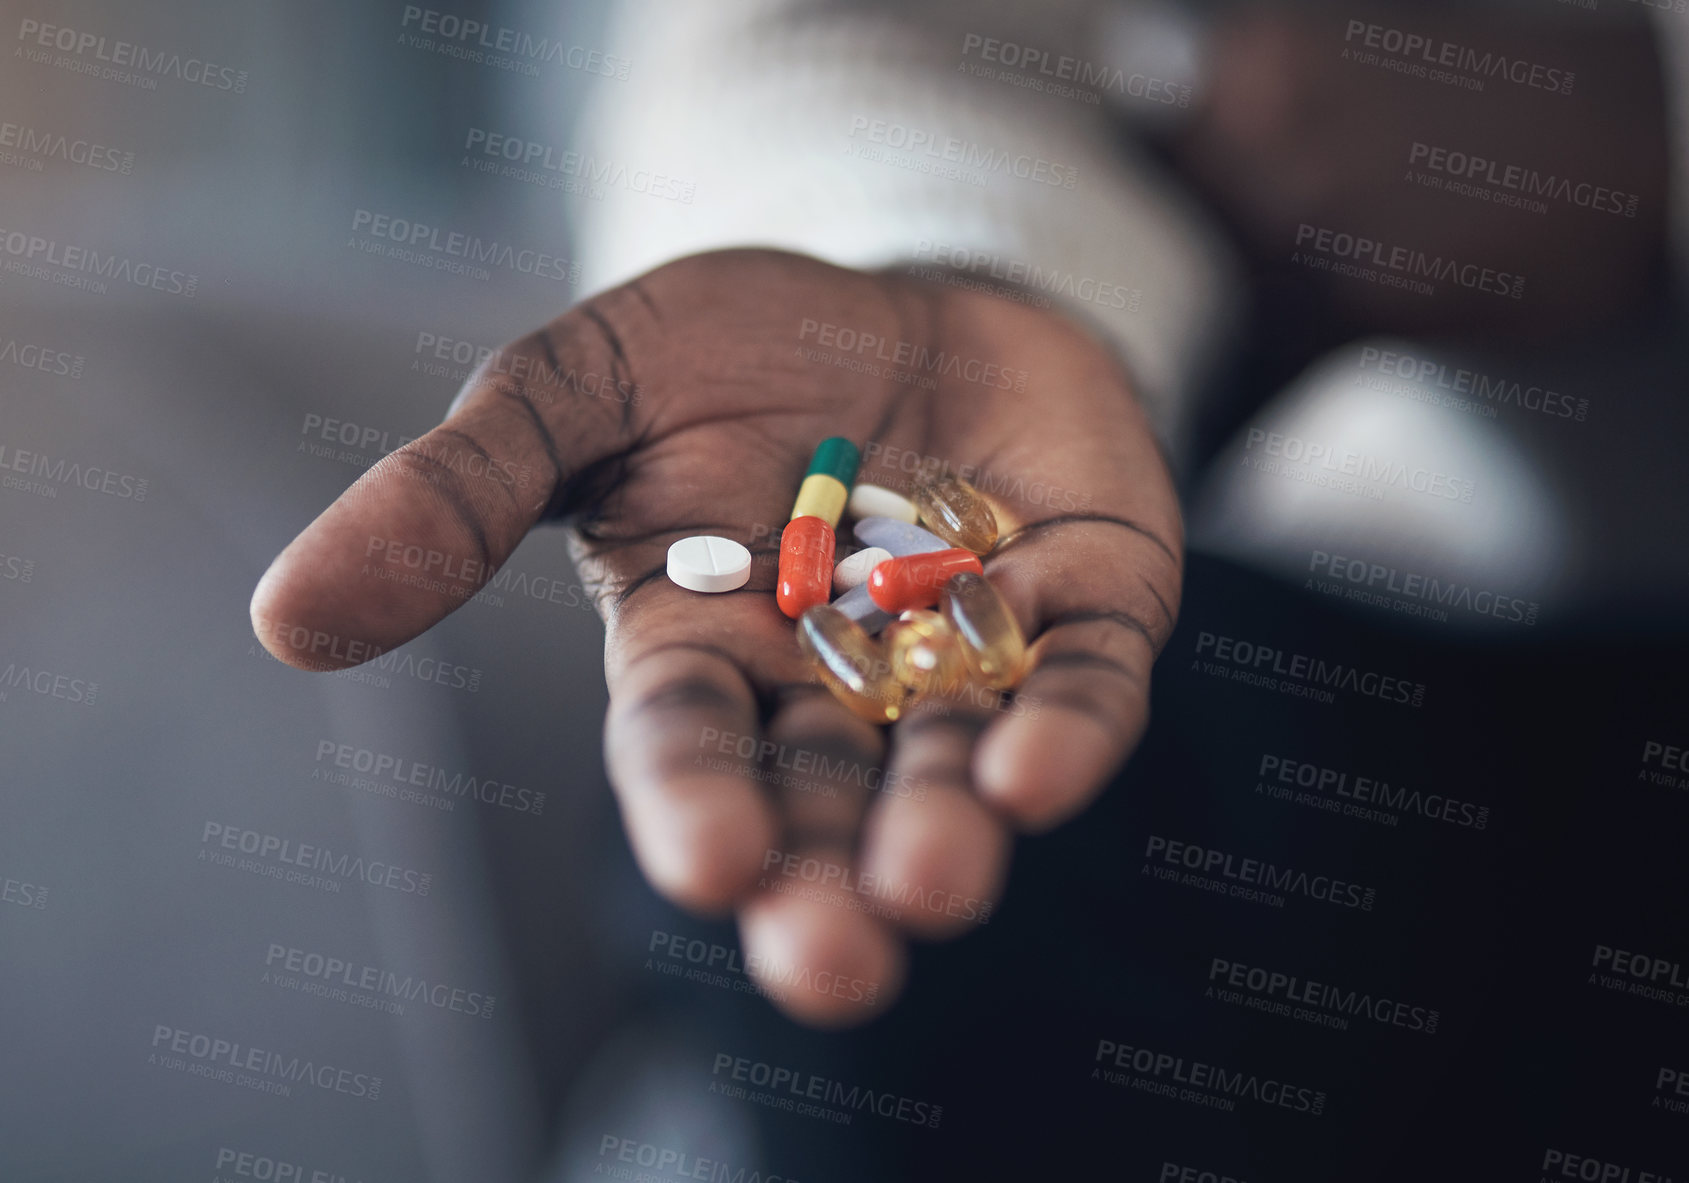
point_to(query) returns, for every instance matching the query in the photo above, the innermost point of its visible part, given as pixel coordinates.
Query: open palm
(688, 402)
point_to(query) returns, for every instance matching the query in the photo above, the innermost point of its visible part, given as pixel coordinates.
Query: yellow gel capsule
(852, 665)
(924, 652)
(821, 496)
(954, 510)
(992, 642)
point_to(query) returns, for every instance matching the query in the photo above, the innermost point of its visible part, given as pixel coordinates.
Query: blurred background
(186, 993)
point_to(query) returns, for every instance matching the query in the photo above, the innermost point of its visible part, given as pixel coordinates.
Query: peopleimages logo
(1378, 471)
(808, 877)
(1217, 1087)
(253, 1067)
(1172, 1172)
(29, 356)
(1513, 178)
(926, 144)
(1431, 56)
(246, 1164)
(55, 472)
(1363, 796)
(474, 40)
(334, 652)
(16, 567)
(1559, 1164)
(1044, 71)
(535, 377)
(1249, 878)
(434, 778)
(1665, 755)
(787, 1084)
(1487, 391)
(128, 55)
(871, 347)
(22, 894)
(1671, 1087)
(1269, 664)
(674, 1164)
(453, 251)
(577, 172)
(901, 469)
(1321, 1003)
(1408, 262)
(47, 684)
(755, 755)
(339, 976)
(757, 973)
(1665, 765)
(1415, 594)
(1642, 975)
(271, 848)
(1031, 276)
(43, 144)
(88, 268)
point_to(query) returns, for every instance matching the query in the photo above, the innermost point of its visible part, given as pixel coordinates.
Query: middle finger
(812, 931)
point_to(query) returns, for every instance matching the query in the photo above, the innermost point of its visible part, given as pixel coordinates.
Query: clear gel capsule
(852, 665)
(955, 511)
(992, 642)
(924, 652)
(900, 538)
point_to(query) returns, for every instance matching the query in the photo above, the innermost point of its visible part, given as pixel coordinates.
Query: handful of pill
(917, 616)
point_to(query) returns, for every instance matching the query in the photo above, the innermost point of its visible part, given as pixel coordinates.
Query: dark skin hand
(729, 411)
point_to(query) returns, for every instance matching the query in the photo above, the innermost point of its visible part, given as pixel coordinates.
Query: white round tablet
(873, 501)
(705, 563)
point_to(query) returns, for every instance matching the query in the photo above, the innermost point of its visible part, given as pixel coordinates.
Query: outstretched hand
(742, 783)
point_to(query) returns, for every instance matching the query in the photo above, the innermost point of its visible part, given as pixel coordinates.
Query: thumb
(425, 528)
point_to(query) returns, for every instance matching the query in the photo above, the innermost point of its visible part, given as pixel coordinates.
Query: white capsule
(706, 563)
(873, 501)
(853, 571)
